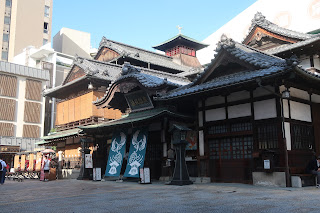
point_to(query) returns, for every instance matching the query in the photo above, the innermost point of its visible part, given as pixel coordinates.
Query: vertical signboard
(137, 152)
(88, 161)
(116, 153)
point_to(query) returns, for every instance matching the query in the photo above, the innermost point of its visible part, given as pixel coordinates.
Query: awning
(137, 117)
(56, 136)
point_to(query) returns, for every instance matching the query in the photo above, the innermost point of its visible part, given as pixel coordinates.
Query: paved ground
(88, 196)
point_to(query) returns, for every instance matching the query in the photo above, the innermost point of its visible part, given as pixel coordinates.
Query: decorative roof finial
(179, 28)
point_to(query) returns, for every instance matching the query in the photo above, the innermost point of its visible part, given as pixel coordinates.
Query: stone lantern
(180, 174)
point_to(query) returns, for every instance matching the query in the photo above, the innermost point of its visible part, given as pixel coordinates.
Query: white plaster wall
(215, 100)
(300, 111)
(315, 98)
(20, 109)
(265, 109)
(215, 114)
(294, 92)
(201, 143)
(200, 118)
(240, 110)
(42, 111)
(262, 91)
(287, 134)
(236, 96)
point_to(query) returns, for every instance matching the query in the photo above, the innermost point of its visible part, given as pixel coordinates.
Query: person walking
(3, 171)
(46, 168)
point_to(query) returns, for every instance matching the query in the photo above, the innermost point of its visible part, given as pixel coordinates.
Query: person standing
(46, 168)
(313, 167)
(3, 171)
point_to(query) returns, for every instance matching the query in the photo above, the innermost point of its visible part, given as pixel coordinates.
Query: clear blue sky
(144, 23)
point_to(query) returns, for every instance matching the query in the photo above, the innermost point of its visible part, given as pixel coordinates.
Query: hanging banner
(116, 153)
(137, 152)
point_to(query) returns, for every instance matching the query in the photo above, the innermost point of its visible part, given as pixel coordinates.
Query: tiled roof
(142, 55)
(136, 117)
(146, 80)
(287, 47)
(265, 64)
(110, 72)
(261, 21)
(245, 53)
(223, 81)
(58, 135)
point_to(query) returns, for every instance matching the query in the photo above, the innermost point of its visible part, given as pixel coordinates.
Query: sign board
(139, 100)
(96, 173)
(266, 164)
(8, 149)
(145, 175)
(88, 161)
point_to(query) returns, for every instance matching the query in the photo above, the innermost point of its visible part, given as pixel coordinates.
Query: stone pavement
(109, 196)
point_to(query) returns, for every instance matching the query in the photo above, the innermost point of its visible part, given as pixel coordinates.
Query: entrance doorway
(154, 155)
(231, 159)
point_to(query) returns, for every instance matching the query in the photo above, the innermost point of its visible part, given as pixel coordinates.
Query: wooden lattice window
(231, 148)
(217, 129)
(8, 85)
(267, 136)
(6, 129)
(31, 131)
(33, 90)
(32, 112)
(302, 136)
(7, 109)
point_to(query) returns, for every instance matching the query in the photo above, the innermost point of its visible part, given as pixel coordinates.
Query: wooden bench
(300, 179)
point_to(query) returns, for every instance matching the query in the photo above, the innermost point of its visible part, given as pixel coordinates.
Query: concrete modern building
(22, 105)
(72, 42)
(24, 23)
(57, 64)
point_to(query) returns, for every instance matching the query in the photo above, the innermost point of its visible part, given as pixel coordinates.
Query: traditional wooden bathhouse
(244, 119)
(88, 81)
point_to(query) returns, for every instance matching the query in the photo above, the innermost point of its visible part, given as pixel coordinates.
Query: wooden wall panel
(8, 85)
(71, 110)
(59, 116)
(86, 105)
(32, 112)
(33, 90)
(107, 55)
(7, 109)
(65, 112)
(77, 108)
(31, 131)
(7, 129)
